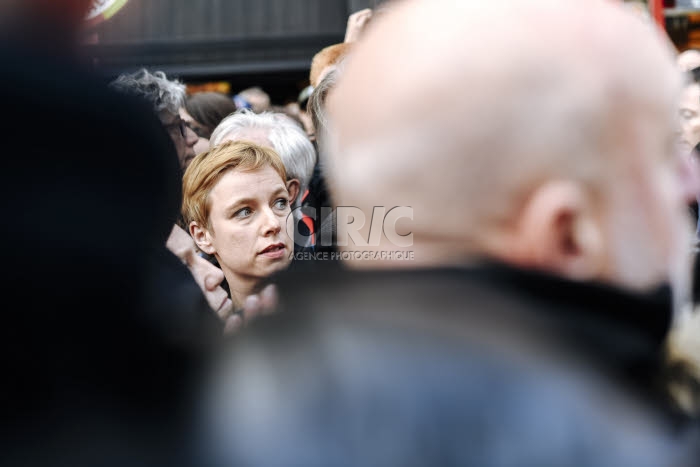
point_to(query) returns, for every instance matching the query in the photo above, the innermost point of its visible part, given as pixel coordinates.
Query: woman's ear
(202, 238)
(559, 231)
(293, 187)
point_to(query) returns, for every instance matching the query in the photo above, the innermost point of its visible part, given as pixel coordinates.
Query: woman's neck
(241, 288)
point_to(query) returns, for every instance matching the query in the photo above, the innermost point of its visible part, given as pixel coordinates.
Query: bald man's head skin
(518, 150)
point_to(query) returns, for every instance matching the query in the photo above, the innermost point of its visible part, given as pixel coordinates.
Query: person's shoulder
(400, 368)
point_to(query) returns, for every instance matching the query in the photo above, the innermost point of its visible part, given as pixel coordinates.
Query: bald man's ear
(202, 238)
(558, 231)
(293, 187)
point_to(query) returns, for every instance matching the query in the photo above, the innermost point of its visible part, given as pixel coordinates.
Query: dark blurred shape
(695, 72)
(104, 333)
(51, 25)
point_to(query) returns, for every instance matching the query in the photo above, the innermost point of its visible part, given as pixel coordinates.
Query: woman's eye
(243, 213)
(281, 203)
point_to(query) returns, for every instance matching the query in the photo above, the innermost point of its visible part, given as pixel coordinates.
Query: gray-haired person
(166, 96)
(282, 134)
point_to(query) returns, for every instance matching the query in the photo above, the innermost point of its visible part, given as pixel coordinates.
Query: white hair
(286, 137)
(162, 93)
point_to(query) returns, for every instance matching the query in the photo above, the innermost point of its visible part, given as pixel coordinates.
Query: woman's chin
(274, 265)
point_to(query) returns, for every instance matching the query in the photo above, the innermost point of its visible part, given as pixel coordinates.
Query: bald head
(477, 104)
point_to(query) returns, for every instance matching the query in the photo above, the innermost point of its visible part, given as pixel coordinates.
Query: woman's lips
(274, 251)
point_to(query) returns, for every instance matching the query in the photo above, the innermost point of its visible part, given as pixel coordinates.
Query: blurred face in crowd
(183, 137)
(247, 219)
(202, 143)
(207, 276)
(690, 116)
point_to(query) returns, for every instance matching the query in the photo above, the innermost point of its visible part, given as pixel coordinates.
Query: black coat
(103, 328)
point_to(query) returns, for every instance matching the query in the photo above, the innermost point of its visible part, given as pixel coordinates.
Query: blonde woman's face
(248, 215)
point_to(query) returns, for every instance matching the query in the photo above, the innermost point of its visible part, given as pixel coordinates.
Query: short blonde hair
(207, 168)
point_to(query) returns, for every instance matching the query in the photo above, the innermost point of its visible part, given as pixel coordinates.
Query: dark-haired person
(166, 97)
(207, 109)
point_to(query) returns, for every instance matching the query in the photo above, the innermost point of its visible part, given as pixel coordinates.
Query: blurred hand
(261, 304)
(357, 22)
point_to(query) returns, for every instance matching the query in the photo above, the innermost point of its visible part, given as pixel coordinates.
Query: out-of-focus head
(688, 59)
(324, 61)
(258, 99)
(526, 153)
(236, 204)
(689, 133)
(207, 109)
(202, 143)
(690, 116)
(166, 97)
(279, 132)
(207, 276)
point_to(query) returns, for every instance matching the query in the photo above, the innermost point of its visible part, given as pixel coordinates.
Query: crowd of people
(471, 242)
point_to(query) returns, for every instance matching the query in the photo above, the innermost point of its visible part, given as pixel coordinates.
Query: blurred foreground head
(524, 151)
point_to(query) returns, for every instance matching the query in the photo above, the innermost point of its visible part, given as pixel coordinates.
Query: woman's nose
(271, 223)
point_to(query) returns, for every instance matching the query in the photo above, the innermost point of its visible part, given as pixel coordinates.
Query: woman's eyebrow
(238, 202)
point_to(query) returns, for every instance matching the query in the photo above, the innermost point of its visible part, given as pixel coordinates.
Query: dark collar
(620, 332)
(646, 316)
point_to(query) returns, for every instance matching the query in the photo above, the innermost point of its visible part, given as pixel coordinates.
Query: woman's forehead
(245, 183)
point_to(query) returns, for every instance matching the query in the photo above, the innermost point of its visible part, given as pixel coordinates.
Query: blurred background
(219, 45)
(229, 45)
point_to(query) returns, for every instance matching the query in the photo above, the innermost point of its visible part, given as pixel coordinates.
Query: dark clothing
(317, 198)
(481, 366)
(104, 331)
(693, 206)
(319, 241)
